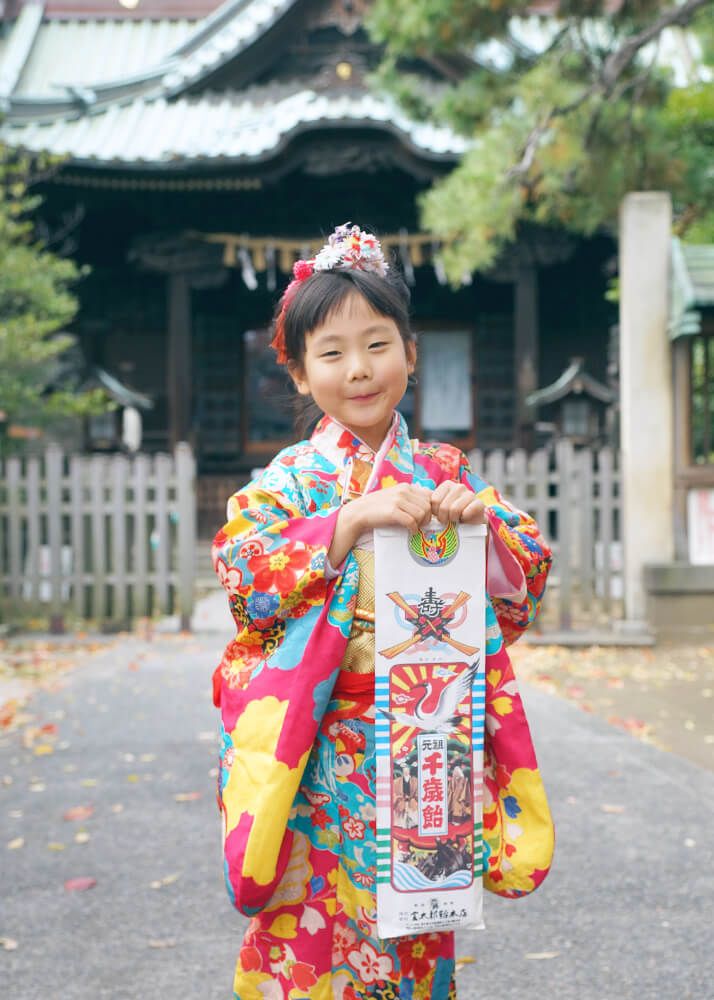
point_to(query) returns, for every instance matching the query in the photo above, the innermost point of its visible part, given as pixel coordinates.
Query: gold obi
(359, 652)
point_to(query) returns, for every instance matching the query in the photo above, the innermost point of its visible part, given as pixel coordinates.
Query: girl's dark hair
(322, 294)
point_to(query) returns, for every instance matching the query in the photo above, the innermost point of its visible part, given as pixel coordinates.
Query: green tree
(561, 125)
(36, 304)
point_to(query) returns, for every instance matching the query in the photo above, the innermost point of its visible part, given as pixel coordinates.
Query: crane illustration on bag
(444, 717)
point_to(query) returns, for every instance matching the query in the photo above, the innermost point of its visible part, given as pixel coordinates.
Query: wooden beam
(179, 357)
(526, 337)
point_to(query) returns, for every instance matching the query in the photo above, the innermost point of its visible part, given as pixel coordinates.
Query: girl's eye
(378, 343)
(330, 354)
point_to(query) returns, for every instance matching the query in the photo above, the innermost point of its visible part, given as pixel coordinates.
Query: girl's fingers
(414, 512)
(439, 493)
(474, 512)
(452, 508)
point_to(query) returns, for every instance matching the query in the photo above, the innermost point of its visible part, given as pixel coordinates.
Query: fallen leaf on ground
(159, 883)
(542, 954)
(37, 786)
(161, 942)
(132, 778)
(43, 748)
(8, 711)
(54, 845)
(575, 691)
(80, 884)
(608, 808)
(117, 807)
(82, 837)
(465, 960)
(89, 782)
(9, 944)
(14, 844)
(187, 796)
(78, 813)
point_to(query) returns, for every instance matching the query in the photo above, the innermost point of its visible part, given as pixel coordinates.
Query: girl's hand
(454, 502)
(405, 504)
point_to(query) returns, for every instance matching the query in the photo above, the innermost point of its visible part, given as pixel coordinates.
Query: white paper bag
(430, 692)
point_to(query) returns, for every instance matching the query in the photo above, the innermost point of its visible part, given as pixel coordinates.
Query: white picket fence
(105, 538)
(112, 538)
(575, 497)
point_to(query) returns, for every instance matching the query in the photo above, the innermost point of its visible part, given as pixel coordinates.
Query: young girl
(296, 685)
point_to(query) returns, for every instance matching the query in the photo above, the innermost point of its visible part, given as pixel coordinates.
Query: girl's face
(355, 367)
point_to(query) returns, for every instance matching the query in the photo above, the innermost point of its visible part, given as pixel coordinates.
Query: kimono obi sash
(359, 653)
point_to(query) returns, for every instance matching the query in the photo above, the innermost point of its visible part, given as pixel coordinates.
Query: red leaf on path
(80, 884)
(49, 728)
(187, 796)
(78, 813)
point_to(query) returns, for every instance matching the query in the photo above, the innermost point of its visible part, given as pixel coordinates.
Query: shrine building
(204, 148)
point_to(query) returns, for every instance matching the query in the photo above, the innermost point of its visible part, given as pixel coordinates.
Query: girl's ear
(297, 374)
(411, 352)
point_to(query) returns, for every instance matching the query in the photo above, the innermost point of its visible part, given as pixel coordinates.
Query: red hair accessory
(349, 248)
(302, 270)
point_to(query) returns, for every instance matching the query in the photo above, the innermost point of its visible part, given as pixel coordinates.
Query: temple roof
(201, 49)
(691, 287)
(223, 127)
(145, 94)
(574, 381)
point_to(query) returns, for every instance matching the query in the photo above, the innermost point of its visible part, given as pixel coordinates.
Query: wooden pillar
(179, 357)
(525, 349)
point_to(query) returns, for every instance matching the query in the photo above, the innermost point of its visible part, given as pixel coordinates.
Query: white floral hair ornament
(348, 249)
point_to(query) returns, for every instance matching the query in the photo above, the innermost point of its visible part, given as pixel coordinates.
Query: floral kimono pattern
(296, 783)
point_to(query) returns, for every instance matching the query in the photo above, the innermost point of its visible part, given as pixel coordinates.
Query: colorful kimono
(296, 784)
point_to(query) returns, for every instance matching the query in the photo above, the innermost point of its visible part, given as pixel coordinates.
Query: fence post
(77, 502)
(99, 600)
(606, 507)
(564, 458)
(53, 472)
(584, 509)
(162, 550)
(140, 592)
(186, 493)
(32, 580)
(119, 553)
(14, 536)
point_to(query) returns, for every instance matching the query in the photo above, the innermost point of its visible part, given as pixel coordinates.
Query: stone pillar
(646, 431)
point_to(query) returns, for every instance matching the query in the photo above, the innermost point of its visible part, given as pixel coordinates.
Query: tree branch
(615, 65)
(620, 60)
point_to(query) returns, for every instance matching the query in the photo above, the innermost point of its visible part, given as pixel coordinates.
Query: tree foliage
(565, 112)
(36, 304)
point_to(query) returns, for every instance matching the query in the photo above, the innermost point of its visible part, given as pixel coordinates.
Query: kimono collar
(340, 445)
